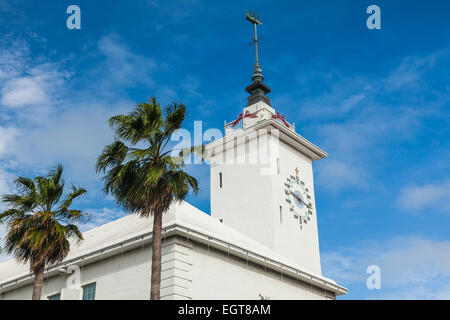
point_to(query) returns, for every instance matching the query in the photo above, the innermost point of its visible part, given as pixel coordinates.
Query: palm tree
(39, 224)
(147, 180)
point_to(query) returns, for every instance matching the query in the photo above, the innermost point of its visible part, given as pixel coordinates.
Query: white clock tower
(262, 178)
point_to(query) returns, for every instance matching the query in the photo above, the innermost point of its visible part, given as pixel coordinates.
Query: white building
(260, 241)
(252, 245)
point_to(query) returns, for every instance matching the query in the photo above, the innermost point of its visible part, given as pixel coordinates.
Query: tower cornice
(290, 137)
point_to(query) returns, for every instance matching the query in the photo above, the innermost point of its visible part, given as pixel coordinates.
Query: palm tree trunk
(156, 257)
(38, 282)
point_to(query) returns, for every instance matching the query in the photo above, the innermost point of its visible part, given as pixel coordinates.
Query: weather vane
(257, 72)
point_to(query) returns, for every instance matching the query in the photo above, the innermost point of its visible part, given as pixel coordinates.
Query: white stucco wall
(250, 201)
(301, 245)
(123, 276)
(228, 277)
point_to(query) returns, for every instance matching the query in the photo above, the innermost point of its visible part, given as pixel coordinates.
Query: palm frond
(175, 115)
(76, 192)
(143, 122)
(11, 214)
(25, 185)
(113, 155)
(55, 174)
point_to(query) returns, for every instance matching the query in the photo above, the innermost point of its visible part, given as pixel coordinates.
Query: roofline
(273, 264)
(190, 234)
(291, 137)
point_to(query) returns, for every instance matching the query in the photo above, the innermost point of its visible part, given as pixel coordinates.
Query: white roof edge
(295, 140)
(183, 228)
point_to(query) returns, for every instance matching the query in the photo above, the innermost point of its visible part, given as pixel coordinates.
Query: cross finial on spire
(257, 89)
(257, 72)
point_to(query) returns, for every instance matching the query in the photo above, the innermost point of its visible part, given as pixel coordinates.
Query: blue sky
(376, 100)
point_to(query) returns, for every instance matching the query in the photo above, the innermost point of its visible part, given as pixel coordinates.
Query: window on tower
(220, 179)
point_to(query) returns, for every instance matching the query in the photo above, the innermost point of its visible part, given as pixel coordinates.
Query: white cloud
(409, 73)
(5, 183)
(7, 137)
(23, 92)
(29, 87)
(13, 58)
(425, 197)
(412, 267)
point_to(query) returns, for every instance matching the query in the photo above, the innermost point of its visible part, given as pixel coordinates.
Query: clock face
(298, 199)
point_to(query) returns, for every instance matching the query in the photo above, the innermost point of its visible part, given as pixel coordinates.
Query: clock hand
(298, 198)
(308, 205)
